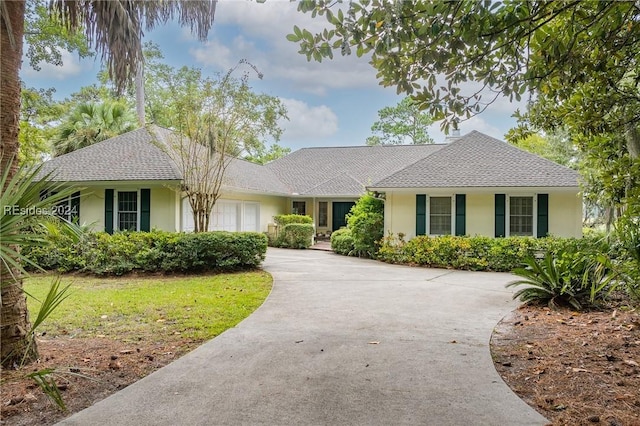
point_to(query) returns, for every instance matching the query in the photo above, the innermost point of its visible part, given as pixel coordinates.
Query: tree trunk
(15, 325)
(140, 94)
(632, 137)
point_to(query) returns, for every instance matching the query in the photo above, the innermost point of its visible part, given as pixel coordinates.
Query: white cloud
(307, 122)
(70, 67)
(263, 43)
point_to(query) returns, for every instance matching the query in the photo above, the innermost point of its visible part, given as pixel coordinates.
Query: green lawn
(134, 308)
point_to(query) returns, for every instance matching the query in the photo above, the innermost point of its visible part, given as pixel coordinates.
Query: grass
(135, 308)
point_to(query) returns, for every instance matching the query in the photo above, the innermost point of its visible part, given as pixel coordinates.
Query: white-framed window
(521, 219)
(323, 214)
(440, 215)
(299, 207)
(127, 217)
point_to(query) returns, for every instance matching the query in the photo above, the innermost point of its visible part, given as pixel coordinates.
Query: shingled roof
(344, 171)
(478, 160)
(474, 160)
(131, 156)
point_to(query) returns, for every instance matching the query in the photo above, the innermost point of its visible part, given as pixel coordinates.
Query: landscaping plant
(366, 222)
(342, 242)
(585, 281)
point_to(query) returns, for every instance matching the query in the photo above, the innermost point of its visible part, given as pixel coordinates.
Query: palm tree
(115, 29)
(89, 123)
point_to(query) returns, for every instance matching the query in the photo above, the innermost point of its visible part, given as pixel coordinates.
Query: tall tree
(217, 120)
(115, 29)
(171, 93)
(38, 110)
(557, 146)
(509, 48)
(89, 123)
(401, 124)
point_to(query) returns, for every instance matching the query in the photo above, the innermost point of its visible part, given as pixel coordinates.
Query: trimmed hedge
(342, 242)
(484, 253)
(296, 236)
(287, 219)
(294, 231)
(157, 251)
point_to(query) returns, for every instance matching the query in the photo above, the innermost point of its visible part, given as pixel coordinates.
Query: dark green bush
(342, 242)
(585, 281)
(296, 235)
(294, 231)
(366, 222)
(157, 251)
(286, 219)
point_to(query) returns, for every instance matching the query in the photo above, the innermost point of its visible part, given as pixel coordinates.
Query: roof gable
(478, 160)
(128, 157)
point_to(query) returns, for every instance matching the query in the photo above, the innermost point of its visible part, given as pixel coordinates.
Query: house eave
(478, 189)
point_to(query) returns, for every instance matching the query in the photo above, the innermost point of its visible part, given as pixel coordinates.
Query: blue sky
(330, 103)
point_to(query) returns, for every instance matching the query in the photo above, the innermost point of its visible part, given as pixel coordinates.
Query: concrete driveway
(340, 341)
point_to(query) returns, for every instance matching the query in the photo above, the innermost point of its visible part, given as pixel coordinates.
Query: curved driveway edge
(340, 341)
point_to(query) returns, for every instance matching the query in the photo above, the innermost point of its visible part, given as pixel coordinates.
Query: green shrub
(366, 222)
(585, 281)
(484, 253)
(157, 251)
(342, 242)
(290, 234)
(296, 235)
(627, 243)
(286, 219)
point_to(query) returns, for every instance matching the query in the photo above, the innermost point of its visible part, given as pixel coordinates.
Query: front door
(340, 210)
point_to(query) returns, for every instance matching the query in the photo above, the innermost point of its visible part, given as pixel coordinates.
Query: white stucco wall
(92, 208)
(163, 209)
(566, 211)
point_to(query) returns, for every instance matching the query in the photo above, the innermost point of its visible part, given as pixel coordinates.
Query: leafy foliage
(245, 118)
(286, 219)
(366, 222)
(584, 281)
(401, 124)
(342, 242)
(484, 253)
(294, 231)
(509, 47)
(89, 123)
(157, 251)
(22, 208)
(296, 236)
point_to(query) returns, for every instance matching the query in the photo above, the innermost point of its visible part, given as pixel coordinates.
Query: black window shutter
(500, 203)
(145, 210)
(461, 212)
(543, 215)
(421, 214)
(108, 211)
(75, 208)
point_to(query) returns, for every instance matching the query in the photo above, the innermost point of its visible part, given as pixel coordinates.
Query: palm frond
(22, 206)
(115, 27)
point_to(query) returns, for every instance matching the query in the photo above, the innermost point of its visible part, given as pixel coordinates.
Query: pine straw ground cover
(574, 368)
(111, 332)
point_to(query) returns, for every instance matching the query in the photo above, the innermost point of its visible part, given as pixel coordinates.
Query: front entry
(340, 210)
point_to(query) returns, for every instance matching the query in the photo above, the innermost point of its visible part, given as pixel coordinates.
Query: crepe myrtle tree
(218, 121)
(114, 28)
